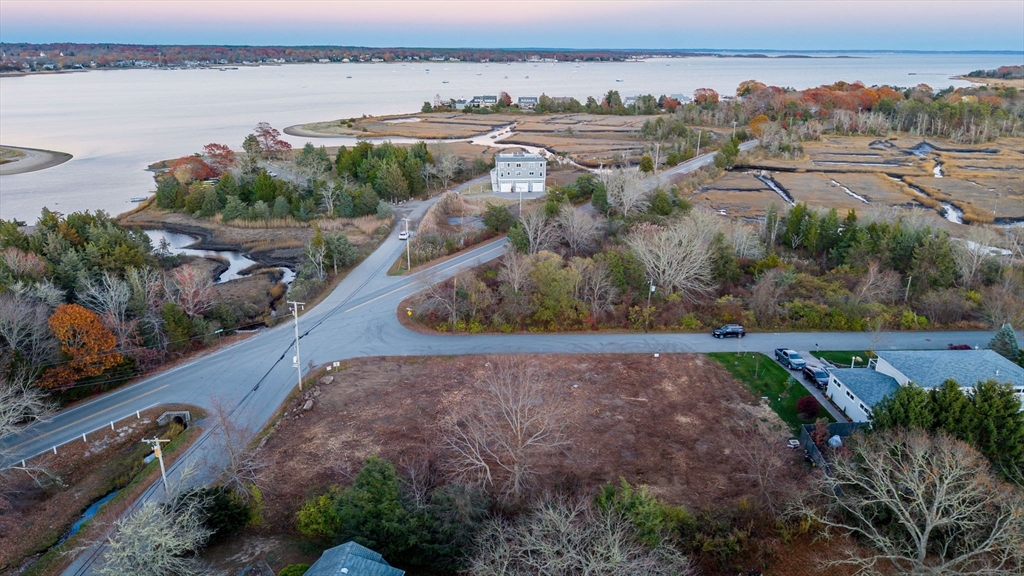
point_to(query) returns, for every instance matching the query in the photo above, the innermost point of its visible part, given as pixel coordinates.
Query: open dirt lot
(672, 423)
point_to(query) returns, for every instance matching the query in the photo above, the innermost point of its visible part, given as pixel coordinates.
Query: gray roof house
(856, 390)
(351, 559)
(478, 101)
(528, 102)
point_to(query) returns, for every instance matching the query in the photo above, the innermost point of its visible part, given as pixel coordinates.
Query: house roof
(520, 157)
(870, 386)
(351, 559)
(930, 368)
(529, 99)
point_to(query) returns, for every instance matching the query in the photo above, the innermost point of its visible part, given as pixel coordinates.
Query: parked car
(734, 330)
(403, 235)
(816, 375)
(789, 358)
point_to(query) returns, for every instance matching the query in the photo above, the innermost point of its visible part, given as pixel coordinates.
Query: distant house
(519, 172)
(479, 101)
(461, 103)
(857, 390)
(528, 102)
(351, 559)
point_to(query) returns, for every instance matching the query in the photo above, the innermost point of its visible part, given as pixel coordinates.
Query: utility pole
(155, 443)
(298, 361)
(699, 134)
(408, 256)
(907, 294)
(734, 129)
(647, 315)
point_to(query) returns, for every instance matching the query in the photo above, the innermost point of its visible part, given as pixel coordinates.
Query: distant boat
(527, 77)
(140, 198)
(618, 80)
(444, 81)
(911, 73)
(347, 76)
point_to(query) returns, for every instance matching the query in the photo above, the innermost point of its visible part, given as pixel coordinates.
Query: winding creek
(239, 264)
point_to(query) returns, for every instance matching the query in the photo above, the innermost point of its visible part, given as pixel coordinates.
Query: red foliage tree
(704, 96)
(270, 140)
(808, 406)
(222, 158)
(88, 344)
(189, 168)
(505, 99)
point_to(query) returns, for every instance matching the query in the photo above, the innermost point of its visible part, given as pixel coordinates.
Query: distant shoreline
(31, 160)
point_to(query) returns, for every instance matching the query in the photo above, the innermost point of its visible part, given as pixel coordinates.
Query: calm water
(115, 123)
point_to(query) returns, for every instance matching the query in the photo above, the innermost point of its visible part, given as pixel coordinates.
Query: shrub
(294, 570)
(808, 407)
(383, 210)
(498, 218)
(650, 518)
(318, 518)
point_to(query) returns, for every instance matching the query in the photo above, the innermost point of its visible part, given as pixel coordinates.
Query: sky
(628, 24)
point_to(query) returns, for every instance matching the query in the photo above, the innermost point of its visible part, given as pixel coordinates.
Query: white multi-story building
(519, 172)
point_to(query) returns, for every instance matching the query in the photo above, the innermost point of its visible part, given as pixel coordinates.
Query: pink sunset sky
(718, 24)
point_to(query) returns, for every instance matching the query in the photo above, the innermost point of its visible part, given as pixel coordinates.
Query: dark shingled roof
(868, 385)
(351, 559)
(930, 368)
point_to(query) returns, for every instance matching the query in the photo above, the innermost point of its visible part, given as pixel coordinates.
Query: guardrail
(137, 414)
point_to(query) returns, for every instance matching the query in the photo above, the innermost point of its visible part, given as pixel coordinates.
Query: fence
(841, 429)
(137, 414)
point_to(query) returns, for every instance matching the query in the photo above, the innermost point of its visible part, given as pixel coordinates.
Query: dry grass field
(985, 182)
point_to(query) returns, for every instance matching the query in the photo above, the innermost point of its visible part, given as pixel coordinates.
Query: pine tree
(952, 411)
(1000, 423)
(1005, 343)
(908, 407)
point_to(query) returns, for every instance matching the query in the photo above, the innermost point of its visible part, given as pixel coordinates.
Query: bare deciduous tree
(26, 341)
(877, 285)
(316, 255)
(971, 253)
(626, 191)
(744, 239)
(109, 297)
(441, 297)
(515, 271)
(330, 193)
(21, 404)
(674, 257)
(595, 286)
(766, 294)
(1002, 303)
(579, 231)
(446, 164)
(160, 539)
(541, 234)
(495, 444)
(762, 450)
(242, 468)
(191, 288)
(922, 504)
(570, 537)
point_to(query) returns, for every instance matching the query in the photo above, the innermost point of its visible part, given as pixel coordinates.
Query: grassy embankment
(126, 472)
(842, 358)
(765, 378)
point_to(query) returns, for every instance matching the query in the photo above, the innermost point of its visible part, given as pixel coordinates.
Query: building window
(519, 164)
(518, 173)
(531, 173)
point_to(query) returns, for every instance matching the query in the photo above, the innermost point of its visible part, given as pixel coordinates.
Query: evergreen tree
(372, 514)
(211, 204)
(1000, 423)
(1005, 343)
(233, 210)
(952, 411)
(281, 207)
(908, 407)
(265, 189)
(390, 182)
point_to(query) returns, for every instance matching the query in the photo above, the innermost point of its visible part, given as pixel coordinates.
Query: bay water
(117, 122)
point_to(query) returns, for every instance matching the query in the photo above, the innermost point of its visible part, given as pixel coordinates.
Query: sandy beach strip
(32, 160)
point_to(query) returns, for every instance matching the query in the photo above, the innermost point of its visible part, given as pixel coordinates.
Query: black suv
(729, 330)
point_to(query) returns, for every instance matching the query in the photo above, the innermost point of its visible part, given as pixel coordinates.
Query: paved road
(689, 166)
(359, 319)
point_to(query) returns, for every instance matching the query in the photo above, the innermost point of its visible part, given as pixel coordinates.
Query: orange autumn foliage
(86, 341)
(757, 125)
